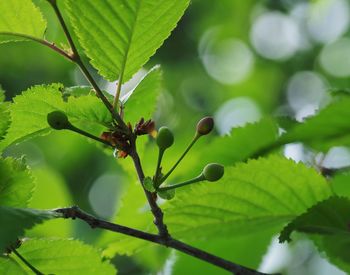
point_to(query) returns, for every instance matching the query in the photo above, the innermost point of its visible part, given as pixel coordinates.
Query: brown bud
(205, 126)
(144, 127)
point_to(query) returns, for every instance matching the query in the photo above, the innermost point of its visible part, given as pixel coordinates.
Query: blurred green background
(236, 60)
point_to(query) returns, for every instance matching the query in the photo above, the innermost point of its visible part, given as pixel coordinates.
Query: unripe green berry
(205, 126)
(165, 138)
(58, 120)
(213, 172)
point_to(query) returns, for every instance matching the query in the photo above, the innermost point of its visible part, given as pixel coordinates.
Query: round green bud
(166, 194)
(213, 172)
(58, 120)
(205, 126)
(165, 138)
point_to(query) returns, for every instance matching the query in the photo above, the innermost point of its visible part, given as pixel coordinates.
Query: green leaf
(148, 184)
(29, 113)
(241, 144)
(327, 224)
(340, 184)
(16, 183)
(133, 204)
(236, 249)
(331, 216)
(20, 17)
(15, 220)
(49, 181)
(64, 256)
(142, 101)
(330, 127)
(260, 194)
(78, 91)
(120, 36)
(5, 119)
(9, 266)
(2, 95)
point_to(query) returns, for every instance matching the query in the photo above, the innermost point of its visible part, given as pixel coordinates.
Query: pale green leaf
(64, 257)
(120, 36)
(14, 221)
(251, 196)
(20, 17)
(29, 113)
(142, 101)
(241, 144)
(4, 119)
(330, 127)
(49, 181)
(133, 204)
(16, 183)
(9, 266)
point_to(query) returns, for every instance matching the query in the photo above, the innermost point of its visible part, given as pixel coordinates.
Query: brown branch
(156, 211)
(44, 42)
(74, 212)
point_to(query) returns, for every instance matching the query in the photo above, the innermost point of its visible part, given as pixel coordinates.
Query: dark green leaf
(14, 221)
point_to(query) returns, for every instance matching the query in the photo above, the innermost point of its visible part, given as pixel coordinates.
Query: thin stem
(81, 132)
(117, 93)
(77, 59)
(194, 180)
(44, 42)
(159, 161)
(74, 212)
(156, 211)
(32, 268)
(196, 137)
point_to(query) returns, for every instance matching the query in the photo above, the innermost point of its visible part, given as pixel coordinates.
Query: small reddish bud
(205, 126)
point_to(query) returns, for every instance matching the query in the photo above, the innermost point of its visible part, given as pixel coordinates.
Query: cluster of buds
(165, 139)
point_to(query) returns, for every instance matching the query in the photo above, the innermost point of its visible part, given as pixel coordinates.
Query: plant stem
(81, 132)
(44, 42)
(32, 268)
(117, 93)
(74, 212)
(159, 161)
(156, 211)
(169, 187)
(77, 59)
(195, 138)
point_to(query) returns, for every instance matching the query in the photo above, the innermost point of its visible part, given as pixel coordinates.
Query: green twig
(32, 268)
(173, 186)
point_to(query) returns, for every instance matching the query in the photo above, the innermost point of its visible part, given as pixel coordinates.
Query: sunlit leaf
(29, 113)
(251, 196)
(141, 102)
(326, 129)
(62, 256)
(20, 17)
(16, 183)
(120, 36)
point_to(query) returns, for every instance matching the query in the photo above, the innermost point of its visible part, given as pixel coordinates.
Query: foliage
(248, 192)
